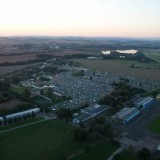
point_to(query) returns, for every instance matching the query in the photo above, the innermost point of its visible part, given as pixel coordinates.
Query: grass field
(128, 155)
(155, 125)
(18, 124)
(49, 140)
(99, 152)
(152, 53)
(17, 89)
(123, 67)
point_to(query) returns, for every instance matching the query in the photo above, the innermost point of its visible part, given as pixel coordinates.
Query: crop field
(99, 152)
(49, 140)
(17, 58)
(155, 125)
(152, 53)
(9, 69)
(10, 104)
(150, 71)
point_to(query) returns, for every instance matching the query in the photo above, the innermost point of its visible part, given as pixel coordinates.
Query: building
(96, 110)
(143, 103)
(158, 96)
(1, 118)
(82, 118)
(20, 114)
(126, 114)
(89, 113)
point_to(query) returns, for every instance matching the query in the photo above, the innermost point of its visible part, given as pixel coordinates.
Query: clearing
(155, 125)
(123, 67)
(48, 140)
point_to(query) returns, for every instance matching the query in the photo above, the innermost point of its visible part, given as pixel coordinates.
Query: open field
(128, 155)
(152, 53)
(17, 58)
(9, 69)
(17, 89)
(10, 104)
(99, 152)
(19, 124)
(155, 125)
(49, 140)
(123, 67)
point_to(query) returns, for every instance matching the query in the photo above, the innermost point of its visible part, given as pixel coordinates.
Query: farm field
(49, 140)
(9, 69)
(123, 67)
(17, 58)
(99, 152)
(152, 53)
(10, 104)
(155, 125)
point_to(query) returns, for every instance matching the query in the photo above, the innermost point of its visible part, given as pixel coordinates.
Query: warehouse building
(126, 114)
(20, 114)
(96, 110)
(89, 113)
(143, 103)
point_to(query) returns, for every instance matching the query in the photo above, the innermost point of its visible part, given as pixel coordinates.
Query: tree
(144, 153)
(64, 113)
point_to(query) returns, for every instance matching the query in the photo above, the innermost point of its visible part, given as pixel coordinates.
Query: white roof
(22, 113)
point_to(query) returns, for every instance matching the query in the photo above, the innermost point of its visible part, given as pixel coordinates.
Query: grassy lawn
(152, 53)
(3, 128)
(17, 89)
(155, 125)
(49, 140)
(128, 155)
(99, 152)
(123, 67)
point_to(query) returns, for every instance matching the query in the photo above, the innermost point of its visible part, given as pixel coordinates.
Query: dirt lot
(17, 58)
(123, 67)
(10, 104)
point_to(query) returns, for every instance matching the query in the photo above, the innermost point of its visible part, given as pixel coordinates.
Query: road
(11, 129)
(117, 151)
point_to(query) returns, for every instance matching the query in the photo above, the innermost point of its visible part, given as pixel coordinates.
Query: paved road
(11, 129)
(117, 151)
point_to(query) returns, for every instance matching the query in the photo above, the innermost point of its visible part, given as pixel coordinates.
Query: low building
(143, 103)
(20, 114)
(89, 113)
(1, 118)
(158, 96)
(82, 118)
(126, 114)
(96, 110)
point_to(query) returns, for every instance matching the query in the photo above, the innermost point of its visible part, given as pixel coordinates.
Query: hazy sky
(138, 18)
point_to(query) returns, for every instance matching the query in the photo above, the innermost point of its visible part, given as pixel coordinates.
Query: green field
(99, 152)
(128, 155)
(152, 53)
(49, 140)
(155, 125)
(17, 89)
(32, 120)
(123, 67)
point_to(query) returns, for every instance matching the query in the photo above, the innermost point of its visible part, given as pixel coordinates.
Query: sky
(104, 18)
